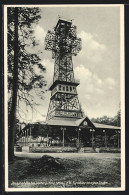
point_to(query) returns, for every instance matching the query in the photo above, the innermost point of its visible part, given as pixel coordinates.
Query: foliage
(115, 121)
(30, 69)
(57, 149)
(41, 130)
(110, 150)
(25, 71)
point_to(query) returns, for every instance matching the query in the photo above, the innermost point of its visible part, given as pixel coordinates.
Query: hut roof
(73, 122)
(103, 126)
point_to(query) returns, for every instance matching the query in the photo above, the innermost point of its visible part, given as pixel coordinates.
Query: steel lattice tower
(63, 43)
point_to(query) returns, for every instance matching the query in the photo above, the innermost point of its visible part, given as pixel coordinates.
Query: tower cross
(64, 43)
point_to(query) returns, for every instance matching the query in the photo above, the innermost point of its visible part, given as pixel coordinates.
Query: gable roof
(73, 122)
(103, 126)
(60, 121)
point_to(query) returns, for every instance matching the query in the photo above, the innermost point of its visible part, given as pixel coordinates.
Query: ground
(76, 170)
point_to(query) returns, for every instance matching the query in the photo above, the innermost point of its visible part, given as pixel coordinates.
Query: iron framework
(64, 43)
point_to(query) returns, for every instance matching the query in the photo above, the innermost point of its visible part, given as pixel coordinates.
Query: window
(59, 87)
(85, 123)
(74, 89)
(70, 88)
(63, 88)
(67, 88)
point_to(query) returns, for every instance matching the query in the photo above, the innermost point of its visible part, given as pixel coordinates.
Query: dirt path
(69, 155)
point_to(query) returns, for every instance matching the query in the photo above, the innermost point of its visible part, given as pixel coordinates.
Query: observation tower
(64, 43)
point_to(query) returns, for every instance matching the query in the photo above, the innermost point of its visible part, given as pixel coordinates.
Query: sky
(97, 65)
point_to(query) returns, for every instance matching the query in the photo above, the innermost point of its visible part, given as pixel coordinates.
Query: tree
(118, 118)
(115, 121)
(23, 65)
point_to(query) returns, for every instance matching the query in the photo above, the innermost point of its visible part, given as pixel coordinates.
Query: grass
(75, 172)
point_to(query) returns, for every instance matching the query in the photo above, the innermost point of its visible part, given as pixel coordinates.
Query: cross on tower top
(63, 39)
(64, 43)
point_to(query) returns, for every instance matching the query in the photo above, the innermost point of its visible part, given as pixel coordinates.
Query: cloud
(92, 50)
(110, 81)
(49, 70)
(40, 34)
(93, 90)
(90, 82)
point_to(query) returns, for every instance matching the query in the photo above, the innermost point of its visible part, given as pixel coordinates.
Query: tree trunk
(12, 118)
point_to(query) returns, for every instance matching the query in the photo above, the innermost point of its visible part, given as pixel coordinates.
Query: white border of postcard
(122, 87)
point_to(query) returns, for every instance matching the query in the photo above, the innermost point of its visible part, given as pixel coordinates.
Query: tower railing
(77, 81)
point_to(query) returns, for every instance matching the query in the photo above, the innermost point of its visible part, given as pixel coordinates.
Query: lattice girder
(63, 68)
(65, 100)
(64, 43)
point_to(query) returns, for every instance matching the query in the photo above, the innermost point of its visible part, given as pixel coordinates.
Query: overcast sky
(98, 63)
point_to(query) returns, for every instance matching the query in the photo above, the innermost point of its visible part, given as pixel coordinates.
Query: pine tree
(22, 65)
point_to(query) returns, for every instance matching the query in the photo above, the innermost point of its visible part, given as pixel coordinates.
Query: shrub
(110, 150)
(53, 150)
